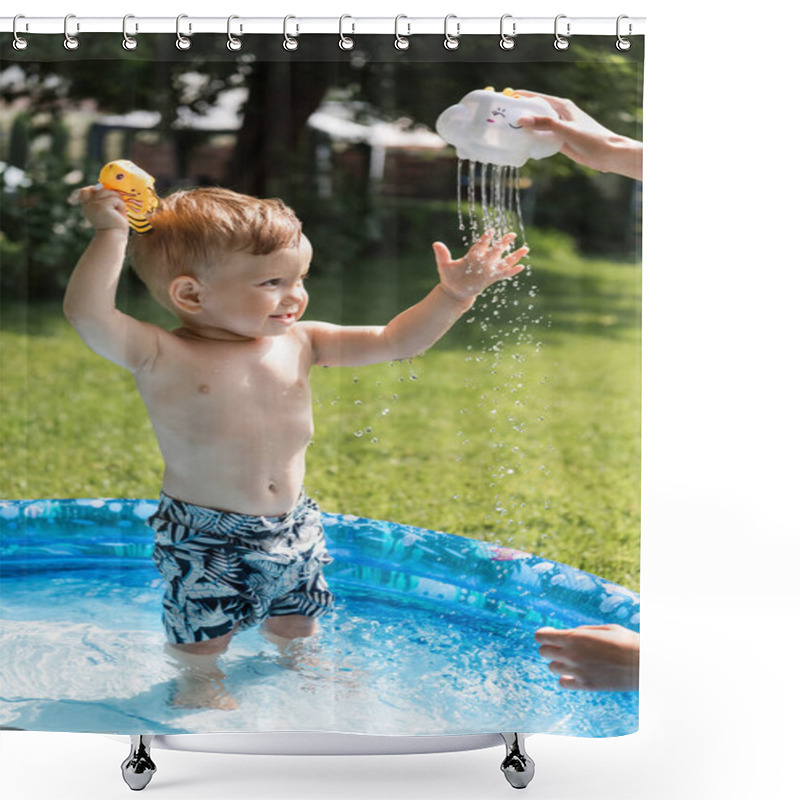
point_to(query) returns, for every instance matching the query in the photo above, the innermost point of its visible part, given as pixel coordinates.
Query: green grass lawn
(520, 427)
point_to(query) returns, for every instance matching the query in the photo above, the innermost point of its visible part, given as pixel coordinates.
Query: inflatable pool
(432, 636)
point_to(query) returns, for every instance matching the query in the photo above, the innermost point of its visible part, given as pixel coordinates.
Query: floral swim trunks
(224, 569)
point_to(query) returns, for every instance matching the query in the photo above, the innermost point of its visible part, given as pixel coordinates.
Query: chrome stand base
(518, 766)
(138, 768)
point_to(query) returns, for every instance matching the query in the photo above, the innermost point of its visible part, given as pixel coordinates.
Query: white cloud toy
(485, 127)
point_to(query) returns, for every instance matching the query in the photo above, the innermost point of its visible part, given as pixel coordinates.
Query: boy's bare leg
(200, 682)
(286, 632)
(282, 631)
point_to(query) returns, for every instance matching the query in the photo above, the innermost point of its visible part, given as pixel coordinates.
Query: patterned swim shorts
(224, 569)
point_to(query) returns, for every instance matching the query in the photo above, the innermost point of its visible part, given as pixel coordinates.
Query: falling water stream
(505, 403)
(506, 317)
(493, 199)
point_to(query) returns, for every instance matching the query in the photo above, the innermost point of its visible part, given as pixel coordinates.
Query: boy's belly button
(204, 388)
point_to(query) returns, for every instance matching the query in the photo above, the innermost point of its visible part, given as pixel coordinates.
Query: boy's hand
(483, 265)
(104, 208)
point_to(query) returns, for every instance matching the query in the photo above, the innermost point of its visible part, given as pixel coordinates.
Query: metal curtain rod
(346, 24)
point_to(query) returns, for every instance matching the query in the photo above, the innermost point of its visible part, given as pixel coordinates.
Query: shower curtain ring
(70, 42)
(128, 42)
(401, 42)
(290, 42)
(623, 44)
(507, 42)
(234, 43)
(346, 42)
(182, 42)
(19, 43)
(561, 42)
(451, 42)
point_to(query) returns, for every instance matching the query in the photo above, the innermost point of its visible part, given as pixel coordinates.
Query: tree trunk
(282, 96)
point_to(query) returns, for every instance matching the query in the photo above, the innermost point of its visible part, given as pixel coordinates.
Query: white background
(719, 690)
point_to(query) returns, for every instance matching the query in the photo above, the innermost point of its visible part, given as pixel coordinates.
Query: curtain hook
(289, 42)
(234, 43)
(19, 42)
(561, 42)
(128, 42)
(623, 44)
(346, 42)
(70, 42)
(182, 42)
(451, 42)
(401, 42)
(507, 42)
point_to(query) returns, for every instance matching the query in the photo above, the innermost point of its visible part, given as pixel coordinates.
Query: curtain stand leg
(138, 768)
(518, 766)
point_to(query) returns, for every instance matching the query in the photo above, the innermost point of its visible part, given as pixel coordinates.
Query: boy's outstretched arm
(90, 299)
(417, 328)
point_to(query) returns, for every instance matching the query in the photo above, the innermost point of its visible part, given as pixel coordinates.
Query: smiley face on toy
(500, 115)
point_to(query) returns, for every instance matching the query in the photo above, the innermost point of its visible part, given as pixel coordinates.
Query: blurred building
(394, 158)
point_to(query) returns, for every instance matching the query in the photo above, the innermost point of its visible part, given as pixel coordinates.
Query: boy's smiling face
(252, 296)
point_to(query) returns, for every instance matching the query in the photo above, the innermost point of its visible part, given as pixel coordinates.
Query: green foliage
(12, 259)
(41, 235)
(553, 245)
(59, 139)
(20, 141)
(283, 89)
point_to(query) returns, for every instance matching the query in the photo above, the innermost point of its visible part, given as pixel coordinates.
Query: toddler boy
(236, 539)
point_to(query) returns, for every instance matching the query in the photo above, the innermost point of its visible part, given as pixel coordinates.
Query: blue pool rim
(403, 561)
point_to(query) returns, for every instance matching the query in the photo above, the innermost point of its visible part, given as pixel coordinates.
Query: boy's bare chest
(199, 377)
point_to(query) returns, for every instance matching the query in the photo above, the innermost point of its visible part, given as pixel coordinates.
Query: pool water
(432, 634)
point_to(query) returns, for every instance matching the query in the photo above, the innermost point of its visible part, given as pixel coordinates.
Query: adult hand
(592, 657)
(586, 141)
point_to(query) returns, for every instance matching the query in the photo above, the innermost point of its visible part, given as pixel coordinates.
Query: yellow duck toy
(137, 188)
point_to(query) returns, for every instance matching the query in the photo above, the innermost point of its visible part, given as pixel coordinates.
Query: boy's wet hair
(195, 228)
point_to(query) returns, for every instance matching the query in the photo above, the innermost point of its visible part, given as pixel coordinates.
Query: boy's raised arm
(417, 328)
(90, 299)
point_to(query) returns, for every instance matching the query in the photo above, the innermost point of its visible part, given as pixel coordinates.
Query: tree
(285, 89)
(281, 97)
(272, 153)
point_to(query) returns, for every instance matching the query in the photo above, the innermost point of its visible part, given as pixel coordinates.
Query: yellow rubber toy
(137, 188)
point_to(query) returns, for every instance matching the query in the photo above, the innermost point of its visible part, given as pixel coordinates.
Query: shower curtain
(479, 501)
